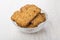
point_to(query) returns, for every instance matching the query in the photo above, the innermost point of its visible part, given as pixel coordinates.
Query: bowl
(32, 30)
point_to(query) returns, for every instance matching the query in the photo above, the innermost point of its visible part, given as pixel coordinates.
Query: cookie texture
(28, 16)
(39, 19)
(15, 16)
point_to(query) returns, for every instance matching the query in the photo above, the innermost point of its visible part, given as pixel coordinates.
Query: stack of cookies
(29, 16)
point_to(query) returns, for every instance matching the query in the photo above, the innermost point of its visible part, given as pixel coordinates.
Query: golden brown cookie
(28, 14)
(31, 7)
(15, 16)
(25, 17)
(39, 19)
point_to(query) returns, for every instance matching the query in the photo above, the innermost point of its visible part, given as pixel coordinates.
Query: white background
(51, 30)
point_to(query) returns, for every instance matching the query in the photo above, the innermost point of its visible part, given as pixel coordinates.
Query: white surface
(51, 30)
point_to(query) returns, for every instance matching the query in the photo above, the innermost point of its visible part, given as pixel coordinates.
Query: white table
(51, 30)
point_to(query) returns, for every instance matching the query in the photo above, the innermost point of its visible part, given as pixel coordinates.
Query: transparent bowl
(33, 30)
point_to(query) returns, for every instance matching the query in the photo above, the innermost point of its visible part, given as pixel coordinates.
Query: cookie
(15, 16)
(25, 18)
(29, 16)
(39, 19)
(32, 7)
